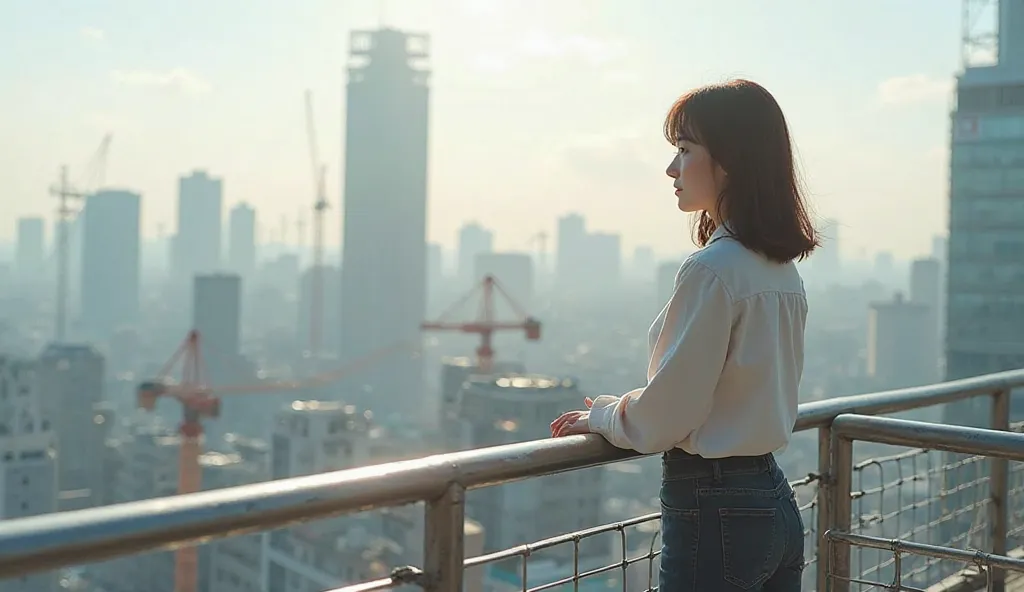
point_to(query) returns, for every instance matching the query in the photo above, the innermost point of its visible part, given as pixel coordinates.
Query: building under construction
(383, 278)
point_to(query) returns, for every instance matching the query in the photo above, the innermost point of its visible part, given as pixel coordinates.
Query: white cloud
(918, 88)
(93, 34)
(178, 80)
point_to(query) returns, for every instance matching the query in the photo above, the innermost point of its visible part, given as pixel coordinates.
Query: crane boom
(485, 324)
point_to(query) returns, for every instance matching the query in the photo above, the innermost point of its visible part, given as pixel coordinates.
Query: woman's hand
(572, 422)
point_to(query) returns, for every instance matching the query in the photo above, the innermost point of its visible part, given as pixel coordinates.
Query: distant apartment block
(71, 382)
(242, 240)
(111, 264)
(28, 459)
(197, 245)
(474, 240)
(30, 249)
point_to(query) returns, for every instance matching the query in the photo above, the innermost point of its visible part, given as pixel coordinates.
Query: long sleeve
(685, 366)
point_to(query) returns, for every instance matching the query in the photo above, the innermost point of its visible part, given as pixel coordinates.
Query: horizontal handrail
(56, 540)
(926, 550)
(73, 538)
(936, 436)
(933, 436)
(819, 414)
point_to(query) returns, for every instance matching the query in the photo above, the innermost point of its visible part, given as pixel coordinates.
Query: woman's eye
(681, 150)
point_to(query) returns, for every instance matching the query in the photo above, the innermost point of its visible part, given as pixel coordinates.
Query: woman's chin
(686, 207)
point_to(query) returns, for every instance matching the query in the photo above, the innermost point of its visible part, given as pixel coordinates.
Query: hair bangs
(677, 125)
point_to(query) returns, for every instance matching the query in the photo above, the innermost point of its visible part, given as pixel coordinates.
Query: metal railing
(59, 540)
(998, 445)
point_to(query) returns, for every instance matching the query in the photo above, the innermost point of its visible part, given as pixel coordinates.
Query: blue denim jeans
(728, 524)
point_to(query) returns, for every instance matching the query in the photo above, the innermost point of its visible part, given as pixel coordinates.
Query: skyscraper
(926, 288)
(474, 239)
(985, 297)
(29, 254)
(197, 245)
(572, 249)
(330, 280)
(28, 477)
(242, 240)
(70, 380)
(435, 270)
(514, 273)
(383, 275)
(899, 351)
(110, 262)
(216, 314)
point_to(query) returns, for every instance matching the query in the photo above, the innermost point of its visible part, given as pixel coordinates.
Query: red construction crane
(485, 324)
(200, 401)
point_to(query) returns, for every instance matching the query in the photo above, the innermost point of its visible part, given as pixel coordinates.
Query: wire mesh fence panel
(969, 570)
(920, 496)
(806, 490)
(562, 562)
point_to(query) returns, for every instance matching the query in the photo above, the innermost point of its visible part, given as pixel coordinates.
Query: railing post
(444, 543)
(825, 486)
(999, 488)
(842, 484)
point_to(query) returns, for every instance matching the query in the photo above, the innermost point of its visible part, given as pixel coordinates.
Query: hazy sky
(539, 107)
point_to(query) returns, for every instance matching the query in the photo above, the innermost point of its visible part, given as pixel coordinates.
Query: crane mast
(316, 312)
(65, 193)
(65, 213)
(199, 401)
(485, 325)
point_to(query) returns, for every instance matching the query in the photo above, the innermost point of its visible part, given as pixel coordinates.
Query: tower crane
(200, 401)
(485, 324)
(65, 193)
(316, 299)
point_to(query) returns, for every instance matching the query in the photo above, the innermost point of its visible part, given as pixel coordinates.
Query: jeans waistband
(678, 462)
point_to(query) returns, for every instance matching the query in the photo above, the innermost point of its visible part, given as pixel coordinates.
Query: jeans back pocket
(752, 544)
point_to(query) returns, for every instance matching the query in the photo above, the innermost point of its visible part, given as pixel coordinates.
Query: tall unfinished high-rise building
(384, 255)
(985, 278)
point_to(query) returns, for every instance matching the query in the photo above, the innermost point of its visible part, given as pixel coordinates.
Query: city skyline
(486, 283)
(576, 132)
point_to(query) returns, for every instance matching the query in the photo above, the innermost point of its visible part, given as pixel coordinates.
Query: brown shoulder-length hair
(745, 132)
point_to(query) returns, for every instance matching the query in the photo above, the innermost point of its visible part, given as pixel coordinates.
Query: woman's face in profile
(696, 177)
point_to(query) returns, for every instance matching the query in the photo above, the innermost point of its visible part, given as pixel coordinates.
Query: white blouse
(726, 354)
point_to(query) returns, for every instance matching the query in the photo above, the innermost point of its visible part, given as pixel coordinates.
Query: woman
(726, 352)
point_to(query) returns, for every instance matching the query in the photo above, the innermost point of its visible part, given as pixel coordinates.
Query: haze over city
(245, 243)
(538, 108)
